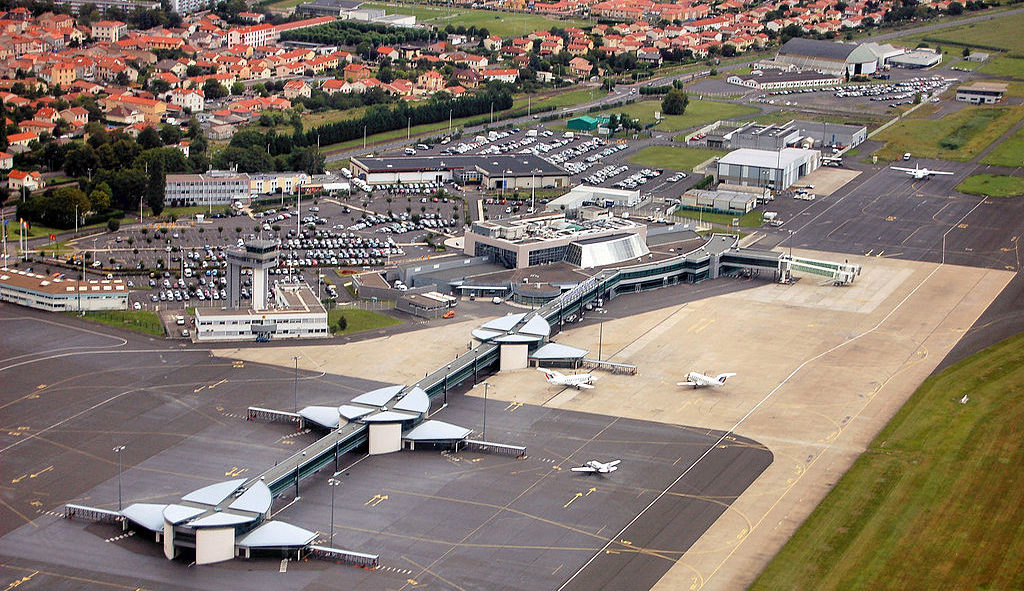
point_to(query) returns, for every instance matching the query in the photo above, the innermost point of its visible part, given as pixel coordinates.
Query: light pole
(118, 450)
(486, 386)
(333, 483)
(296, 388)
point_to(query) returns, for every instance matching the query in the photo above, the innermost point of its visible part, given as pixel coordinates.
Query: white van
(495, 300)
(410, 152)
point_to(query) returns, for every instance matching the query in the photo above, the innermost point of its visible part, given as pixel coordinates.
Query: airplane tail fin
(724, 376)
(549, 373)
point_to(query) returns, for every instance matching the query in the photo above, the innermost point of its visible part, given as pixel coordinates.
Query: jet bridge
(838, 273)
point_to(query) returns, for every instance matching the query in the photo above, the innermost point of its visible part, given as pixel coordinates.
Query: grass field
(787, 115)
(958, 136)
(751, 219)
(142, 321)
(358, 320)
(934, 503)
(1008, 153)
(992, 185)
(672, 157)
(1001, 65)
(503, 24)
(1001, 32)
(697, 113)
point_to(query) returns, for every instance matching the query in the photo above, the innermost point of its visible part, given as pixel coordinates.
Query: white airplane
(699, 380)
(919, 173)
(583, 380)
(595, 467)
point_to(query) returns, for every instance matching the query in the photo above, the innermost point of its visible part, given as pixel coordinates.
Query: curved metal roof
(148, 515)
(536, 325)
(389, 416)
(214, 493)
(518, 338)
(276, 534)
(416, 400)
(483, 334)
(353, 412)
(558, 351)
(378, 397)
(504, 323)
(221, 520)
(437, 431)
(257, 499)
(325, 416)
(175, 514)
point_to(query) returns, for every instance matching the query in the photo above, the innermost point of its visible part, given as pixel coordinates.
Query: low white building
(296, 314)
(61, 295)
(583, 195)
(191, 99)
(776, 169)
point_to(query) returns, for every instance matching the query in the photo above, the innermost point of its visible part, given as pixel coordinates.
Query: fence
(267, 415)
(370, 561)
(495, 448)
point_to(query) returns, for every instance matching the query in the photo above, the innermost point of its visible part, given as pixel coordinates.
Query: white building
(212, 188)
(599, 196)
(61, 295)
(296, 314)
(191, 99)
(981, 93)
(188, 6)
(767, 168)
(254, 36)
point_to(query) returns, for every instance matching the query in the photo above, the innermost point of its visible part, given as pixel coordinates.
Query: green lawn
(786, 115)
(992, 185)
(1008, 153)
(751, 219)
(503, 24)
(935, 501)
(358, 320)
(697, 113)
(674, 158)
(957, 136)
(1001, 32)
(1001, 65)
(142, 321)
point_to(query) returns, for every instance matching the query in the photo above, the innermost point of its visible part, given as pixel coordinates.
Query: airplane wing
(613, 463)
(687, 384)
(584, 469)
(586, 386)
(901, 169)
(939, 172)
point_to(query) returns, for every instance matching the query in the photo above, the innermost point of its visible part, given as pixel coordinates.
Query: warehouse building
(508, 171)
(720, 201)
(587, 122)
(54, 294)
(586, 195)
(791, 134)
(775, 169)
(917, 59)
(781, 80)
(841, 59)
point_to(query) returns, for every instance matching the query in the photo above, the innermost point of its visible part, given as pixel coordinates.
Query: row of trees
(354, 34)
(381, 118)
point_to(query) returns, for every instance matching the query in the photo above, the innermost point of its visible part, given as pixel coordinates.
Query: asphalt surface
(472, 520)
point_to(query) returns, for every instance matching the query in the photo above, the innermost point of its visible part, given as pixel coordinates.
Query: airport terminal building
(549, 237)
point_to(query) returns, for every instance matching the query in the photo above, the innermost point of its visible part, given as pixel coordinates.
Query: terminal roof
(221, 519)
(325, 416)
(437, 431)
(558, 351)
(378, 397)
(214, 493)
(353, 412)
(277, 534)
(148, 515)
(256, 500)
(416, 400)
(389, 416)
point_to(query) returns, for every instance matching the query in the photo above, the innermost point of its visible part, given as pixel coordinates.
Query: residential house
(192, 99)
(112, 31)
(580, 68)
(18, 180)
(296, 88)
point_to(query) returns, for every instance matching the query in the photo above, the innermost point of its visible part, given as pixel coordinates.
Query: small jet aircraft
(595, 467)
(699, 380)
(583, 380)
(919, 173)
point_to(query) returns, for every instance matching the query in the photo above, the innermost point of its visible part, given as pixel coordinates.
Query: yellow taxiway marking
(590, 490)
(212, 386)
(36, 503)
(238, 364)
(962, 226)
(512, 406)
(199, 389)
(46, 469)
(18, 431)
(17, 582)
(574, 497)
(236, 471)
(376, 500)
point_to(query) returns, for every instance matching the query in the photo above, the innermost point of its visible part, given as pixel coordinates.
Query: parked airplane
(919, 173)
(583, 380)
(699, 380)
(593, 466)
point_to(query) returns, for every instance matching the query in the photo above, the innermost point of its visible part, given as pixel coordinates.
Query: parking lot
(878, 96)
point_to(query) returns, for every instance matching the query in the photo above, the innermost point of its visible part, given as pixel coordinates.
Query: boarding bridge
(610, 366)
(502, 449)
(370, 561)
(838, 273)
(269, 415)
(92, 514)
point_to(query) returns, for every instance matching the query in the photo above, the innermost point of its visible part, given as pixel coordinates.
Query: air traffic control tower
(258, 255)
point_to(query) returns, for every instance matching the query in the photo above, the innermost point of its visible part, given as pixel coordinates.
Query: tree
(113, 224)
(674, 102)
(213, 89)
(80, 160)
(966, 52)
(237, 88)
(155, 187)
(342, 323)
(955, 9)
(100, 196)
(149, 138)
